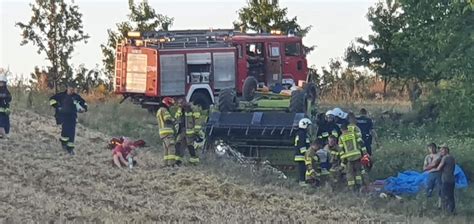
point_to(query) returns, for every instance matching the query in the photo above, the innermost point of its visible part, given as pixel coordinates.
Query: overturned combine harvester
(262, 127)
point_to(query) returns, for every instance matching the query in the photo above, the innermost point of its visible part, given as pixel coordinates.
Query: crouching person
(122, 154)
(313, 164)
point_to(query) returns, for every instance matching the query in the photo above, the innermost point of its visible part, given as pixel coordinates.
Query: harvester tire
(249, 88)
(227, 100)
(298, 103)
(202, 99)
(311, 92)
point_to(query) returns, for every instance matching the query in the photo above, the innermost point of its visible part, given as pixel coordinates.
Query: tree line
(417, 46)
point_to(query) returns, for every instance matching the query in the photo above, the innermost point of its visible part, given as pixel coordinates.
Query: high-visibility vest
(165, 122)
(197, 121)
(351, 145)
(301, 145)
(352, 128)
(189, 122)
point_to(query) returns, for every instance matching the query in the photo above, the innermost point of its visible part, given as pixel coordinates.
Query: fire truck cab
(197, 64)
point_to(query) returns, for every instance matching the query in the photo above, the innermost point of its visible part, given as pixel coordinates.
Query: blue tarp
(411, 182)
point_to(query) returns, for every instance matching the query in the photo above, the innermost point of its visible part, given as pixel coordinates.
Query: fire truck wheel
(298, 103)
(311, 92)
(249, 88)
(202, 99)
(227, 100)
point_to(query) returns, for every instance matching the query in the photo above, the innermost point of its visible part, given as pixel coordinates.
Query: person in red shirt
(122, 151)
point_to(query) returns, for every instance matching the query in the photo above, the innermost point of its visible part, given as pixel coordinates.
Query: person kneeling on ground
(122, 153)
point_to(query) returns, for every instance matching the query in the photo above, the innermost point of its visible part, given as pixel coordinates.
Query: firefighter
(335, 168)
(188, 134)
(340, 117)
(327, 127)
(352, 126)
(313, 163)
(5, 99)
(166, 131)
(302, 141)
(179, 127)
(352, 151)
(67, 104)
(366, 126)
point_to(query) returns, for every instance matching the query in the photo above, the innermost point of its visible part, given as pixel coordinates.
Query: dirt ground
(40, 183)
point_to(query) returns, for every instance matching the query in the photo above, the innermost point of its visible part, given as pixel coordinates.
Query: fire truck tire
(249, 88)
(298, 103)
(202, 99)
(227, 100)
(311, 92)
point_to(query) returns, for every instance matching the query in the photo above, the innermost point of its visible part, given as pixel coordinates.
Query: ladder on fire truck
(119, 69)
(189, 38)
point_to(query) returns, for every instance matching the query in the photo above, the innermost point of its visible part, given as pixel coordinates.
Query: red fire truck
(197, 64)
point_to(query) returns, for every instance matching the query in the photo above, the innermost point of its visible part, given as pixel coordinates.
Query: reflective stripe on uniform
(166, 131)
(194, 160)
(178, 158)
(52, 102)
(299, 158)
(324, 172)
(4, 109)
(64, 139)
(71, 145)
(351, 154)
(303, 150)
(358, 178)
(297, 138)
(350, 183)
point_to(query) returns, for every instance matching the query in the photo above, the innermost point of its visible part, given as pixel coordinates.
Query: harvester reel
(249, 88)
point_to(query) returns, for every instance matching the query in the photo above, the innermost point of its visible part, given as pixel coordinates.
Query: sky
(335, 23)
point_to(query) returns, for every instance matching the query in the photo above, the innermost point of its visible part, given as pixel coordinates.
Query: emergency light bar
(135, 34)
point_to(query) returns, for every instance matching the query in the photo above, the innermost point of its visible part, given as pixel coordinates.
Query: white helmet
(304, 123)
(338, 112)
(3, 78)
(329, 112)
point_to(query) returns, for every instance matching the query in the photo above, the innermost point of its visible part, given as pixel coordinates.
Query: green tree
(55, 27)
(262, 16)
(88, 79)
(142, 18)
(440, 36)
(380, 51)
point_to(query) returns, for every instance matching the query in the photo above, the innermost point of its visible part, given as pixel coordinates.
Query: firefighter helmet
(366, 161)
(168, 101)
(339, 113)
(304, 123)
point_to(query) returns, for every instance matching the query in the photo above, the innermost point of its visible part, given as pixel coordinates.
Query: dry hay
(40, 183)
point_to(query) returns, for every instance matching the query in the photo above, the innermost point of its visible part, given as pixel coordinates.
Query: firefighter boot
(194, 160)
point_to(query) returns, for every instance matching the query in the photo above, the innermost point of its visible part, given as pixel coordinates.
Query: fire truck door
(273, 71)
